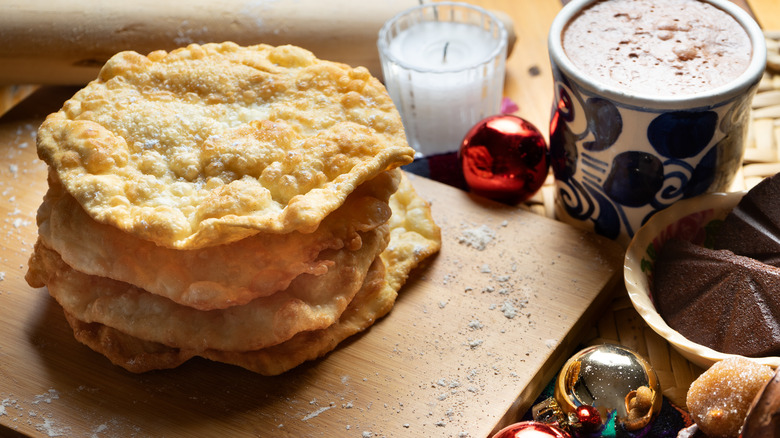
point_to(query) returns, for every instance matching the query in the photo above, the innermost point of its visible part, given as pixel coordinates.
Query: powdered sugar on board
(43, 413)
(507, 273)
(35, 413)
(17, 213)
(478, 237)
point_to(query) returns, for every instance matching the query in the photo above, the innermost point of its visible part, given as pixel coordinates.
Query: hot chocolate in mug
(653, 116)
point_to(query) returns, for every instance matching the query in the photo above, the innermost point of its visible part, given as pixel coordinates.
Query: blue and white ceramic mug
(618, 157)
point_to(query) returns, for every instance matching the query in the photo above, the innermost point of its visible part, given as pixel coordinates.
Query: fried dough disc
(414, 235)
(310, 303)
(414, 238)
(131, 353)
(374, 300)
(212, 143)
(215, 277)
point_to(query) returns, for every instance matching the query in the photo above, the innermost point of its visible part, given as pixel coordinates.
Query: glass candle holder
(443, 66)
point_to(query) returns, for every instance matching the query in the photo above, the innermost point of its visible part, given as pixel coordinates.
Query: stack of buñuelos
(242, 204)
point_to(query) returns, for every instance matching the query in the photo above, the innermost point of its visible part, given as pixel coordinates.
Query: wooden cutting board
(474, 336)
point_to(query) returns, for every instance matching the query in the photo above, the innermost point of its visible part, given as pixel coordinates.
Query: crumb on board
(316, 413)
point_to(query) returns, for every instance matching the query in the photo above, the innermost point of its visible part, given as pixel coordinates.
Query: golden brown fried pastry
(131, 353)
(414, 237)
(719, 399)
(309, 303)
(229, 202)
(210, 144)
(374, 300)
(214, 277)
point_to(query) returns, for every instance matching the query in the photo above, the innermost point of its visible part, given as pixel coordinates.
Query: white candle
(444, 71)
(442, 46)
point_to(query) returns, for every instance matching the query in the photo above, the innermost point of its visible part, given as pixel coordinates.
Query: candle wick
(444, 55)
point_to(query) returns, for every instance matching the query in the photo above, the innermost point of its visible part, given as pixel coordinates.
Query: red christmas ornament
(531, 429)
(504, 158)
(589, 418)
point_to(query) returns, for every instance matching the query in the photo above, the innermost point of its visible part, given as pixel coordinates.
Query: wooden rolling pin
(65, 43)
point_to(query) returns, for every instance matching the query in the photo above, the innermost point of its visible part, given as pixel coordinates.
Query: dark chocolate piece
(752, 228)
(718, 299)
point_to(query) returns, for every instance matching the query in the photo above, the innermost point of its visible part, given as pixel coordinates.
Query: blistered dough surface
(209, 144)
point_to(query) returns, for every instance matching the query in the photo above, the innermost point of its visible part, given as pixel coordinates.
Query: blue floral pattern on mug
(616, 165)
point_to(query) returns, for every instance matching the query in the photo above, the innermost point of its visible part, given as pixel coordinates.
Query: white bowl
(692, 220)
